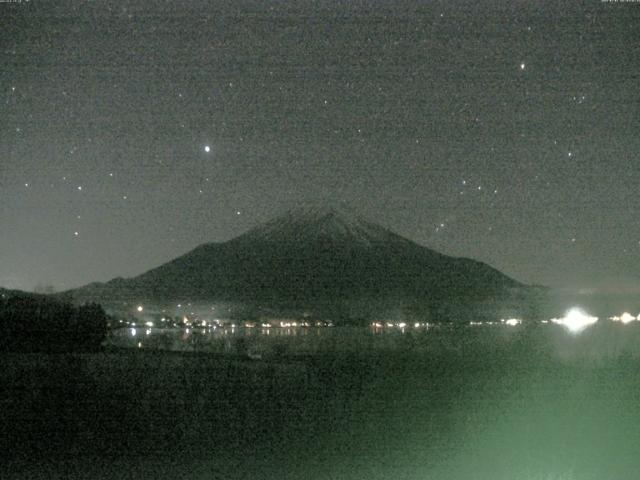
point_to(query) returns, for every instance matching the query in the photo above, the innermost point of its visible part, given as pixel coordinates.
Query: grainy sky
(504, 131)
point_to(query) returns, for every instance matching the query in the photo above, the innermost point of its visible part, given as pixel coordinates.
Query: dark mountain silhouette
(312, 254)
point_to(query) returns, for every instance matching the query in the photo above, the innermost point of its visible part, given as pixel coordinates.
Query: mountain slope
(309, 254)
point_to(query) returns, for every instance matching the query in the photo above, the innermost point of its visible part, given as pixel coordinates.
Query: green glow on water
(474, 404)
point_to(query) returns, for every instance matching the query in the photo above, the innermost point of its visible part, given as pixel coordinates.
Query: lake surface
(603, 340)
(473, 402)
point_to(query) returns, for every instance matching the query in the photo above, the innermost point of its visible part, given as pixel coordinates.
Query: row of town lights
(575, 321)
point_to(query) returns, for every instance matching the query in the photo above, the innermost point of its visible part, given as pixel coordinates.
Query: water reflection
(575, 337)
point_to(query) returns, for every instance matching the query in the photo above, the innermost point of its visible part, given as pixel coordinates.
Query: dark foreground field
(528, 407)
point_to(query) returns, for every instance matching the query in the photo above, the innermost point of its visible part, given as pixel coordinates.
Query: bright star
(207, 148)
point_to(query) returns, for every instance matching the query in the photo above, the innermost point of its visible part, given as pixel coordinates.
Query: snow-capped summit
(321, 222)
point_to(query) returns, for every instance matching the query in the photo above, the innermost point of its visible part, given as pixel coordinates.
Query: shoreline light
(625, 318)
(575, 320)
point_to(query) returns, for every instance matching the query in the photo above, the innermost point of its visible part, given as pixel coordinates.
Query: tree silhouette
(36, 323)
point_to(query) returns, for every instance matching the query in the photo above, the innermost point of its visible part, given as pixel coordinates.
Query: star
(207, 148)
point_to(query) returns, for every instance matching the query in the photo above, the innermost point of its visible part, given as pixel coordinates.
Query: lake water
(490, 402)
(604, 340)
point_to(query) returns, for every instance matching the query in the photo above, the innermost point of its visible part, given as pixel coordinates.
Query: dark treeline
(36, 323)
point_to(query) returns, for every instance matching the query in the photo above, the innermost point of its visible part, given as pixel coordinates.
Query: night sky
(507, 132)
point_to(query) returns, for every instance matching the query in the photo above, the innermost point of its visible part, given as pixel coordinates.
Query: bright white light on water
(575, 320)
(140, 308)
(625, 318)
(133, 332)
(149, 324)
(512, 322)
